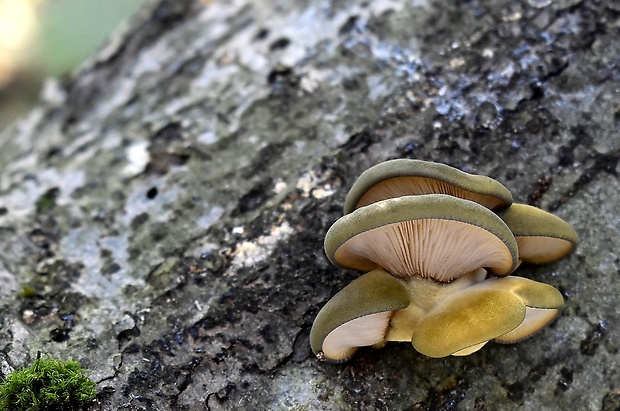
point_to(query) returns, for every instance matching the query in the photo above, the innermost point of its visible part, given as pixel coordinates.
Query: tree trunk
(162, 211)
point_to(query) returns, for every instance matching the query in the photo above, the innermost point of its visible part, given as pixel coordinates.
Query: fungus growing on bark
(501, 309)
(357, 316)
(428, 234)
(405, 177)
(541, 236)
(457, 318)
(432, 236)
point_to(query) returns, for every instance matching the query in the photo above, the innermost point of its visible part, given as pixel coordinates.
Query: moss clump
(28, 291)
(47, 385)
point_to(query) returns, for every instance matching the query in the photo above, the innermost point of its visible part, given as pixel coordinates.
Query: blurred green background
(62, 35)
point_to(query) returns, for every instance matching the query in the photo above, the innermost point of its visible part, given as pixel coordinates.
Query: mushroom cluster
(437, 246)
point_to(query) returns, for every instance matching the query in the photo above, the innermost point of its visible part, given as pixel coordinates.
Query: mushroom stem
(424, 294)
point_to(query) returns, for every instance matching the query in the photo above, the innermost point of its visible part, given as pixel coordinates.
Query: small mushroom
(541, 236)
(432, 236)
(501, 309)
(357, 316)
(404, 177)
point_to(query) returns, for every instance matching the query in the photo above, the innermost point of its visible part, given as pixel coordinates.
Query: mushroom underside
(413, 185)
(358, 315)
(535, 319)
(541, 236)
(431, 248)
(403, 177)
(540, 250)
(343, 341)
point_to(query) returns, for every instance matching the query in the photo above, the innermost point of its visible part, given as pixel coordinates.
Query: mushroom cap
(543, 303)
(541, 236)
(403, 177)
(433, 236)
(358, 315)
(467, 319)
(503, 309)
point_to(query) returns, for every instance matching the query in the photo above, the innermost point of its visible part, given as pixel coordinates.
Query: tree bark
(162, 210)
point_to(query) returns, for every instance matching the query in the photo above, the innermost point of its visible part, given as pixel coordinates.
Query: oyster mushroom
(357, 316)
(500, 309)
(432, 236)
(541, 236)
(404, 177)
(439, 319)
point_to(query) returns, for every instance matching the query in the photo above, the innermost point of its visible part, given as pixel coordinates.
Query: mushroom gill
(402, 177)
(432, 236)
(358, 315)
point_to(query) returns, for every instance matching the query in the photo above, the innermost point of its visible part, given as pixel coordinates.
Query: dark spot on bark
(360, 142)
(165, 149)
(279, 44)
(280, 74)
(192, 66)
(3, 211)
(53, 152)
(151, 193)
(139, 220)
(480, 404)
(447, 399)
(538, 90)
(220, 356)
(408, 149)
(590, 344)
(266, 333)
(515, 392)
(169, 12)
(262, 34)
(59, 334)
(254, 198)
(110, 269)
(351, 83)
(542, 185)
(48, 200)
(127, 335)
(264, 158)
(165, 346)
(348, 25)
(566, 379)
(284, 85)
(301, 347)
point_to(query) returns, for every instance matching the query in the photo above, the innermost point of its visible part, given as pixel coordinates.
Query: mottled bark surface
(162, 211)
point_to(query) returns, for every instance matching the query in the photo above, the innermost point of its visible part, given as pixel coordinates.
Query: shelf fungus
(438, 247)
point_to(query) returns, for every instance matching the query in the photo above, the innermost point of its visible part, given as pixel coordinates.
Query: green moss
(28, 291)
(47, 385)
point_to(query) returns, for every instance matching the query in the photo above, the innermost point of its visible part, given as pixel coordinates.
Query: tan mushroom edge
(376, 236)
(358, 315)
(541, 236)
(543, 303)
(401, 177)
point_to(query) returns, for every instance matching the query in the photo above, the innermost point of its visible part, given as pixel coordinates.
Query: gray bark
(168, 202)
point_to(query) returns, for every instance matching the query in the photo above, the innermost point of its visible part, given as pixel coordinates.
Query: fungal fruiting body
(437, 246)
